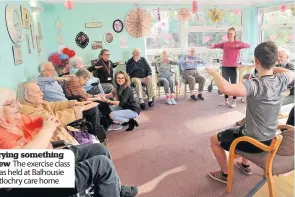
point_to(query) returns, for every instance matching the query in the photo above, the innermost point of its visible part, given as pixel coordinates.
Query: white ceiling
(173, 2)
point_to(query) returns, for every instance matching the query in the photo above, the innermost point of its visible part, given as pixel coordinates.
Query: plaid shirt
(74, 88)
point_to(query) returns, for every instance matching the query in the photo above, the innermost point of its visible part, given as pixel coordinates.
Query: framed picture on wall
(108, 38)
(118, 26)
(25, 17)
(17, 54)
(96, 45)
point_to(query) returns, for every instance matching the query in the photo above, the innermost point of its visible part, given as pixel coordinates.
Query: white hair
(285, 51)
(75, 60)
(42, 65)
(136, 50)
(22, 91)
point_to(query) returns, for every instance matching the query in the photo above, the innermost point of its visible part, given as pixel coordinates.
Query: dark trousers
(230, 75)
(93, 167)
(290, 120)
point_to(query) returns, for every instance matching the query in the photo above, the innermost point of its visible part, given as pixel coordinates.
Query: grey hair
(22, 91)
(75, 60)
(42, 65)
(82, 72)
(284, 50)
(136, 50)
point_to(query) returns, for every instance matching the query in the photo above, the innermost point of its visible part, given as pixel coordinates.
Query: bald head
(46, 69)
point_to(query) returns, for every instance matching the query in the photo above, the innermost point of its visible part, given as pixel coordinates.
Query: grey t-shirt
(264, 101)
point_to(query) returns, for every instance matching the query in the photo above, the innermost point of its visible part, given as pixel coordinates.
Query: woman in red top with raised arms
(231, 50)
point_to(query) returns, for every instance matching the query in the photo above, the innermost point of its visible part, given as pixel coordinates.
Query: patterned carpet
(169, 154)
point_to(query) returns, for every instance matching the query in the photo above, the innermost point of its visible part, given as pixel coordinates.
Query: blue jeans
(119, 114)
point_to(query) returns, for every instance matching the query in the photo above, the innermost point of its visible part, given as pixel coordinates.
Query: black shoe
(100, 133)
(124, 124)
(194, 98)
(151, 103)
(128, 191)
(132, 123)
(142, 106)
(200, 97)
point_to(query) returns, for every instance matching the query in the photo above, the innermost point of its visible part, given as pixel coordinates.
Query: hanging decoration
(293, 10)
(224, 38)
(168, 37)
(215, 15)
(183, 15)
(283, 7)
(206, 39)
(171, 14)
(195, 7)
(273, 37)
(138, 22)
(82, 40)
(69, 4)
(158, 15)
(237, 12)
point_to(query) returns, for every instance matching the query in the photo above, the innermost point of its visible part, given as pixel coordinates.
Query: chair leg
(270, 184)
(159, 94)
(230, 173)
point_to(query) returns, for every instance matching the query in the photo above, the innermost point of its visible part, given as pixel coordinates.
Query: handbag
(79, 130)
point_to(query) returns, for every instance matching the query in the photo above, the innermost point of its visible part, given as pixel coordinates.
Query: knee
(111, 115)
(213, 139)
(100, 150)
(104, 161)
(136, 81)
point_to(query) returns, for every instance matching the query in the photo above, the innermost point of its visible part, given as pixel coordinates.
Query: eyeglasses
(108, 54)
(12, 103)
(120, 78)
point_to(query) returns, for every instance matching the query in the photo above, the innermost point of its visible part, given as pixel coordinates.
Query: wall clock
(14, 24)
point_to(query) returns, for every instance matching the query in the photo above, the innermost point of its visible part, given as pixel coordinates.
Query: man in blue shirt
(48, 83)
(189, 64)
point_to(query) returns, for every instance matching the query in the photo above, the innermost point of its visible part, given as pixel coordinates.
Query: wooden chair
(277, 159)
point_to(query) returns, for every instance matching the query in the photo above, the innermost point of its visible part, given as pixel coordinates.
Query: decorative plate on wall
(82, 40)
(14, 24)
(108, 38)
(118, 26)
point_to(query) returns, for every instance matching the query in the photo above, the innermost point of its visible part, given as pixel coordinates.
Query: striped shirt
(74, 88)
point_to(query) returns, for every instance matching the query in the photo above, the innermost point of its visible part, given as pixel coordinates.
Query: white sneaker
(168, 101)
(173, 101)
(233, 104)
(225, 103)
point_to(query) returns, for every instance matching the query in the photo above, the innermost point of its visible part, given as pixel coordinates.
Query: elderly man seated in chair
(284, 62)
(264, 100)
(140, 72)
(189, 65)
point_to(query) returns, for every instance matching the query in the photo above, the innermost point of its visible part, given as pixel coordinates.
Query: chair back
(286, 147)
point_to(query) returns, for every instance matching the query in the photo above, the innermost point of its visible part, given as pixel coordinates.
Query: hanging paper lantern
(283, 7)
(195, 7)
(183, 15)
(237, 12)
(69, 4)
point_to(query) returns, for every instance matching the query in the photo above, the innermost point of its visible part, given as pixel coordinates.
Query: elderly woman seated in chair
(94, 166)
(31, 98)
(163, 66)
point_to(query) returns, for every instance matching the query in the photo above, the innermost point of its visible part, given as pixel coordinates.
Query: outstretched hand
(210, 70)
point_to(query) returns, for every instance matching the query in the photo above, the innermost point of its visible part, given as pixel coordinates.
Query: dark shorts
(228, 136)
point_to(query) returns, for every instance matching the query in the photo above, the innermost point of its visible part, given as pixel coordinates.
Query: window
(277, 26)
(166, 33)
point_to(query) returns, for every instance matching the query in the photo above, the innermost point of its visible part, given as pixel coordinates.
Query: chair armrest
(285, 127)
(251, 141)
(57, 144)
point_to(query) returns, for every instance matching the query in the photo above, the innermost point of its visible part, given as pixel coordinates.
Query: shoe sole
(246, 173)
(216, 179)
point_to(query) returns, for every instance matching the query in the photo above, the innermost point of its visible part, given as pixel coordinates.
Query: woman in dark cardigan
(125, 108)
(103, 69)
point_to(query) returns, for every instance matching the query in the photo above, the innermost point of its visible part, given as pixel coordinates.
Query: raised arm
(242, 45)
(289, 73)
(217, 46)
